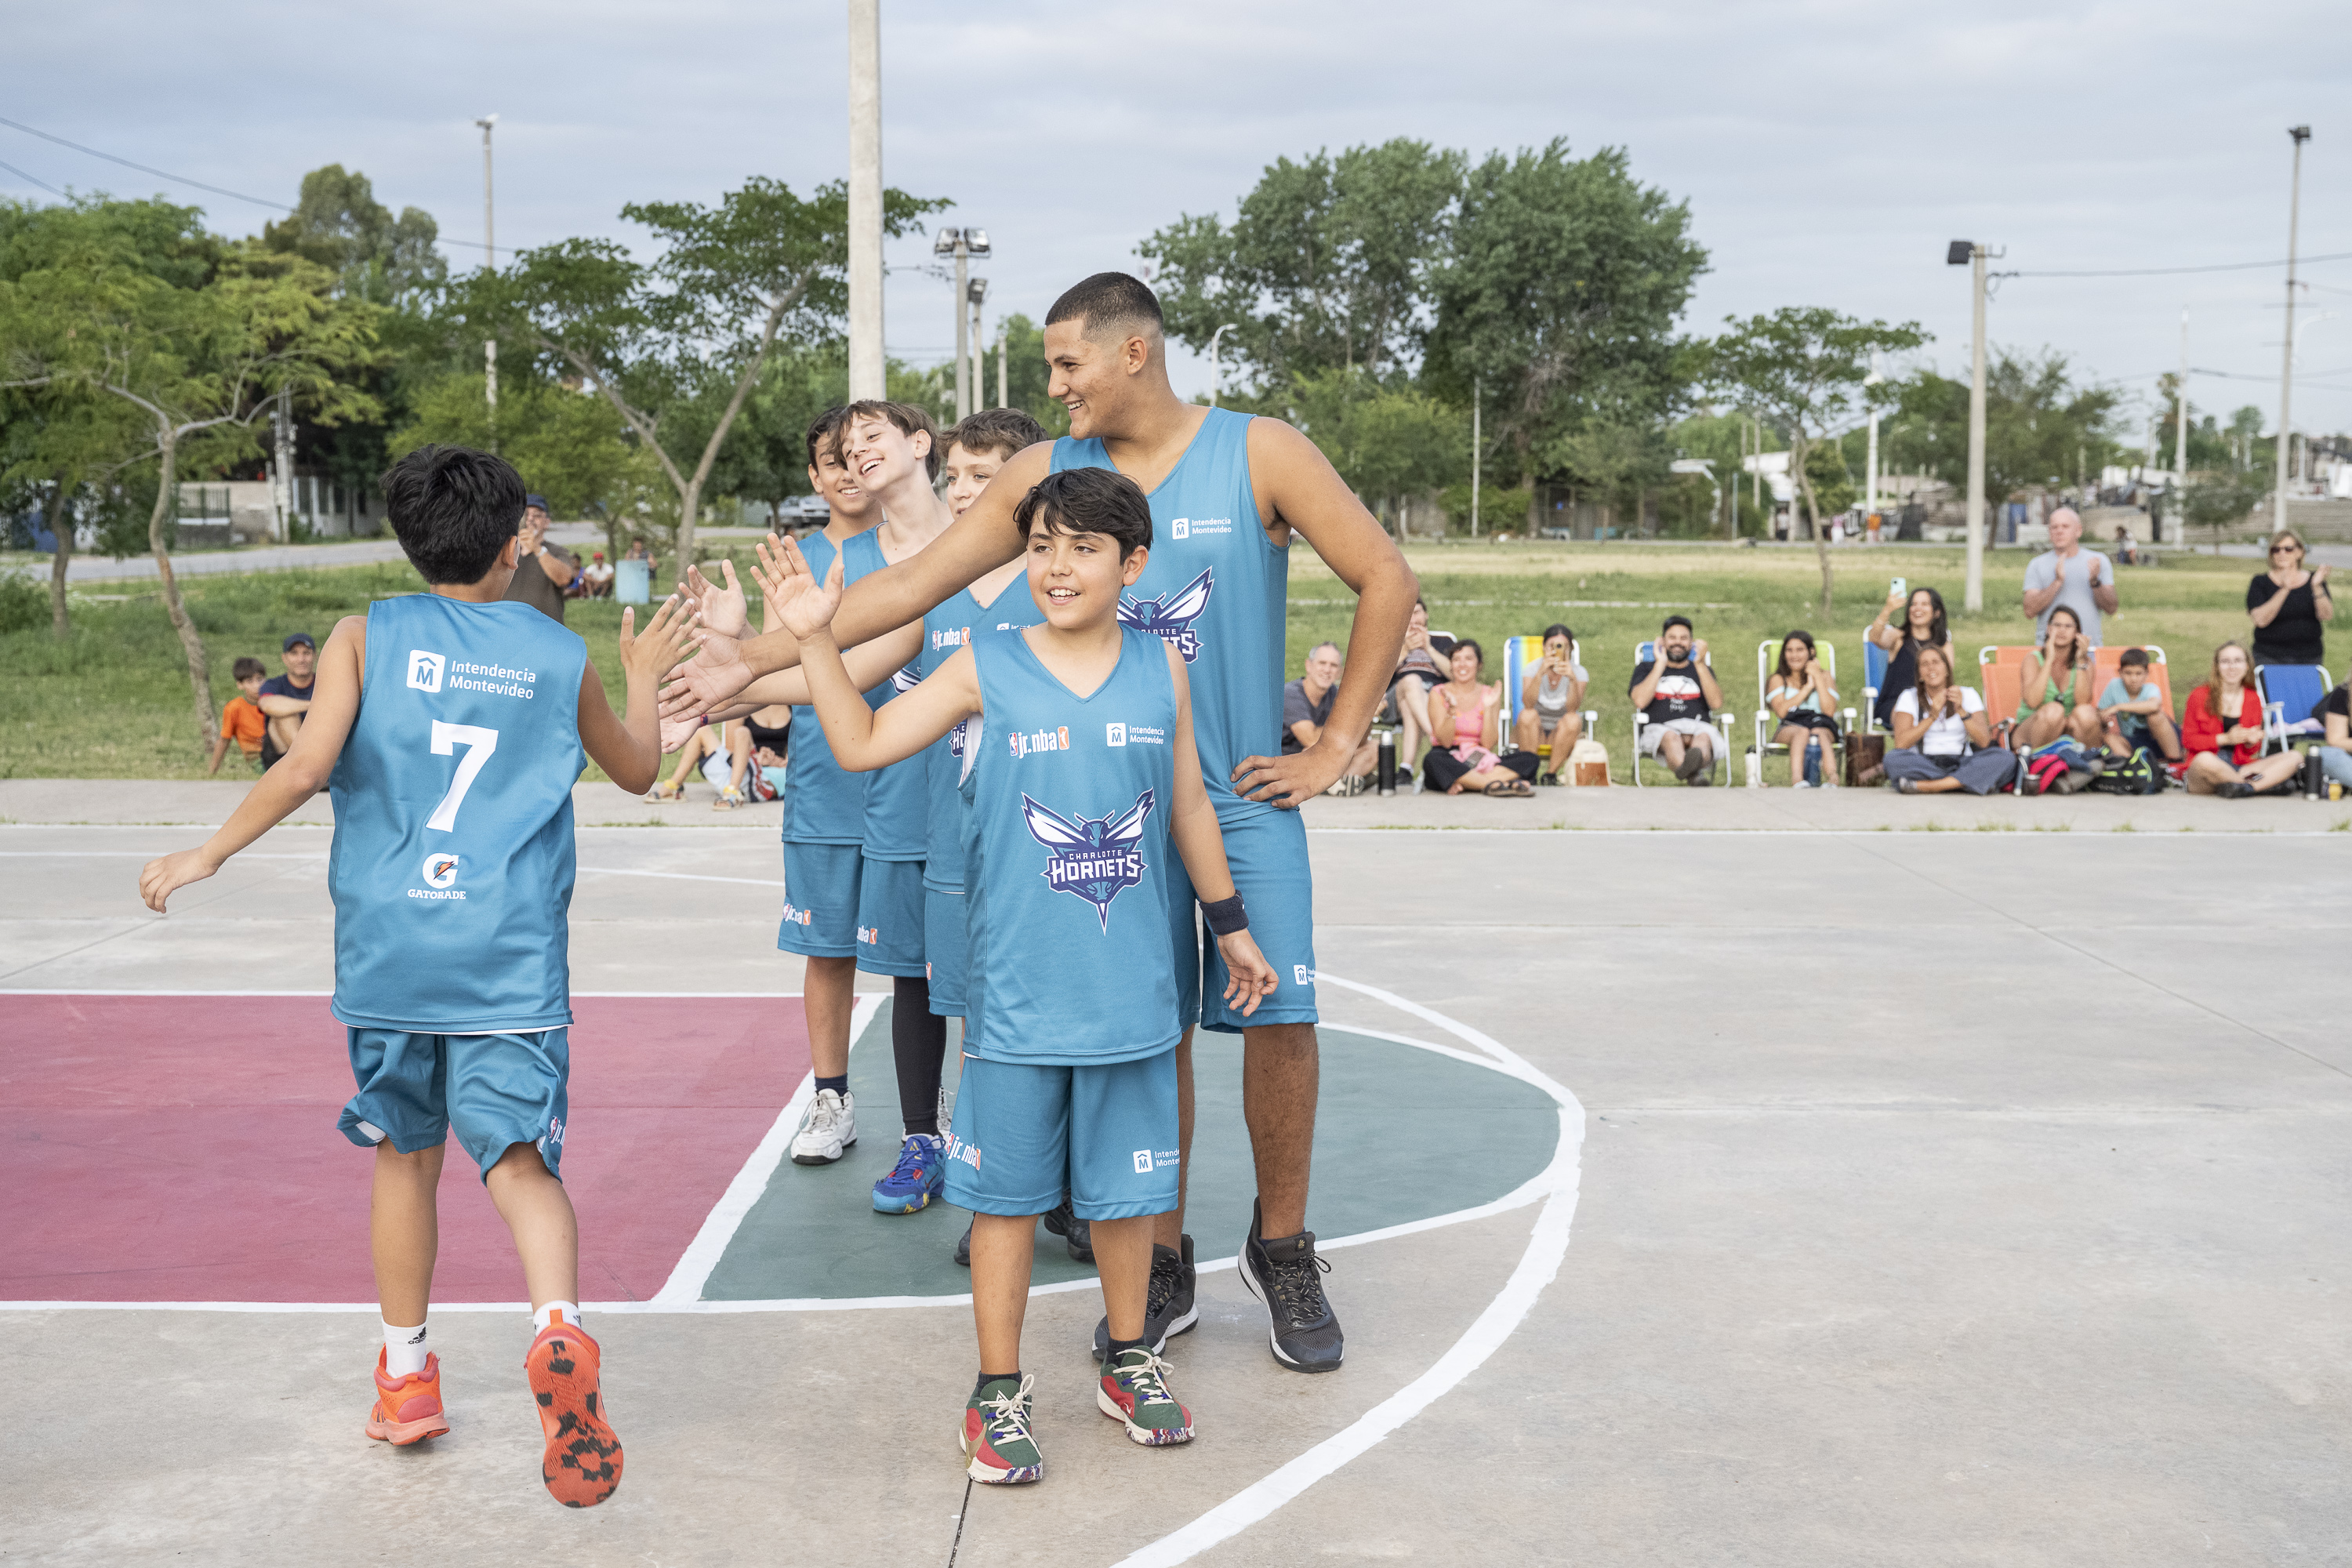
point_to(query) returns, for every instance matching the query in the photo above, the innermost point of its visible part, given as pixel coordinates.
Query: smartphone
(1897, 586)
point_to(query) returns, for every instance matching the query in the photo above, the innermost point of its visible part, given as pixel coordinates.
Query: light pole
(868, 377)
(1217, 365)
(975, 293)
(2301, 134)
(1870, 462)
(491, 253)
(2180, 429)
(961, 245)
(1963, 250)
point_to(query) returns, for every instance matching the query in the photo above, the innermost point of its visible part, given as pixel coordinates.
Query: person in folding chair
(1551, 699)
(1804, 697)
(1465, 719)
(1678, 691)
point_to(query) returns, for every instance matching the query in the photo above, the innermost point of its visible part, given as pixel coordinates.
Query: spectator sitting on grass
(2054, 695)
(2222, 726)
(1804, 698)
(2336, 748)
(242, 720)
(1551, 701)
(1942, 740)
(285, 698)
(1418, 673)
(1924, 624)
(2133, 712)
(597, 577)
(1678, 691)
(717, 751)
(1306, 707)
(1470, 714)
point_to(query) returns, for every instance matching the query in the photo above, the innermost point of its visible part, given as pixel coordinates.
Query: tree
(2038, 425)
(1026, 376)
(1386, 442)
(1557, 298)
(652, 339)
(338, 223)
(566, 443)
(2223, 498)
(1325, 266)
(1802, 368)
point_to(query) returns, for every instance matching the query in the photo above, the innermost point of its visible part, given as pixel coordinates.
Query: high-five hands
(805, 605)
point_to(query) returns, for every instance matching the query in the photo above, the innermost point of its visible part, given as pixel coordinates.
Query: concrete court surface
(1942, 1198)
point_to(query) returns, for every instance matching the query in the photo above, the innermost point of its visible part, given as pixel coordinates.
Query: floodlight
(976, 291)
(944, 242)
(976, 241)
(1960, 253)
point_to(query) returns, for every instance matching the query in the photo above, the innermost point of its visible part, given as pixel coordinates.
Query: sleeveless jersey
(950, 627)
(1066, 859)
(452, 862)
(1216, 589)
(824, 802)
(895, 796)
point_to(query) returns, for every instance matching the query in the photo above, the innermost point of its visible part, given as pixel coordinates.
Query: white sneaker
(828, 1129)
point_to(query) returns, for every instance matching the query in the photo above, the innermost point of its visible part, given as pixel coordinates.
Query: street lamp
(1216, 366)
(975, 293)
(1870, 463)
(1966, 252)
(962, 244)
(2301, 134)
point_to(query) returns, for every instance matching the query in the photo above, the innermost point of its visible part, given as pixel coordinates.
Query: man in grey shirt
(542, 570)
(2081, 580)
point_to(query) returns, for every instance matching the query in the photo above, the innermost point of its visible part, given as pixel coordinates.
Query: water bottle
(1813, 762)
(1385, 776)
(1755, 770)
(2314, 777)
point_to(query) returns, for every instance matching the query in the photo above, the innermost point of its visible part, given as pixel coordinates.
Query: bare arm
(629, 748)
(1909, 730)
(560, 569)
(2338, 731)
(300, 774)
(2037, 600)
(1978, 726)
(1708, 685)
(861, 739)
(1647, 687)
(1826, 687)
(1297, 489)
(2103, 585)
(2323, 602)
(1193, 830)
(2265, 613)
(278, 707)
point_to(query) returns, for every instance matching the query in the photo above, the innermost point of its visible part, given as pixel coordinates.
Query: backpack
(2137, 775)
(2044, 773)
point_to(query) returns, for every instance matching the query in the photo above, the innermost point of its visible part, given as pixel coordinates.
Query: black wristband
(1226, 916)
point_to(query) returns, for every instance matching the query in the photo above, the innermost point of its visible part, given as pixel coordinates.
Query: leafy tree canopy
(338, 223)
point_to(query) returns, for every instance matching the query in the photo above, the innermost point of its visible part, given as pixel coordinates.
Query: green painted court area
(1403, 1134)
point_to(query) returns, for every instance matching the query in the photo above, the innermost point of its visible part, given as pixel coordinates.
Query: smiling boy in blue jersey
(1227, 491)
(1082, 775)
(450, 728)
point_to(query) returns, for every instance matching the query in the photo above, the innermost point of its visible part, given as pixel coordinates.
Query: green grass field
(113, 700)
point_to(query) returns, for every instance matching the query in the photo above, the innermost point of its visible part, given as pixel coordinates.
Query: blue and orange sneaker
(407, 1409)
(582, 1462)
(917, 1177)
(997, 1448)
(1134, 1389)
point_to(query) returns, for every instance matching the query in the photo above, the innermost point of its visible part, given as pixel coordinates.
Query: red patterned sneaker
(581, 1465)
(407, 1409)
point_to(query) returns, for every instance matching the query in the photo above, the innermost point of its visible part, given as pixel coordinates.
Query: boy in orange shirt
(242, 719)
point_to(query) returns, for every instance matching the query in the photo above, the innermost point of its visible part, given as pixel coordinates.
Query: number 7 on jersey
(478, 743)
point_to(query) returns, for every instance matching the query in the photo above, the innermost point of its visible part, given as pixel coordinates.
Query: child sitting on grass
(243, 721)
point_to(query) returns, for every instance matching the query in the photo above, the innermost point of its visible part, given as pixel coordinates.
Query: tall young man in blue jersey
(1228, 491)
(450, 728)
(1083, 777)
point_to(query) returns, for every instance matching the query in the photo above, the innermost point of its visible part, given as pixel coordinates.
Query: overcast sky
(1828, 151)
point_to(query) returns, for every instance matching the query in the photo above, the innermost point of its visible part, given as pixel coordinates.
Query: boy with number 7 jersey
(1080, 771)
(449, 726)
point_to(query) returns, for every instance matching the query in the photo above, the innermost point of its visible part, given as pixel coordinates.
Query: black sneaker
(1168, 1308)
(963, 1247)
(1076, 1232)
(1286, 1274)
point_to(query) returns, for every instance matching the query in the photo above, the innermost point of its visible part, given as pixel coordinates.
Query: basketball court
(1778, 1197)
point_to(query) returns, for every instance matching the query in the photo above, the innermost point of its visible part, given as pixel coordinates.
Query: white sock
(404, 1350)
(546, 1315)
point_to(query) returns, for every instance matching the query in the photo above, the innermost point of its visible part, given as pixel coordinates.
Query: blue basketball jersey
(824, 802)
(896, 795)
(1066, 859)
(452, 862)
(1217, 590)
(950, 627)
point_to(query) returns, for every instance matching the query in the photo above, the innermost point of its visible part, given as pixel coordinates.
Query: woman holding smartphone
(1551, 701)
(1911, 619)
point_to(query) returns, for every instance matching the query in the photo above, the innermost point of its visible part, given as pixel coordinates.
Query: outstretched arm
(861, 739)
(300, 774)
(629, 749)
(1296, 484)
(1193, 829)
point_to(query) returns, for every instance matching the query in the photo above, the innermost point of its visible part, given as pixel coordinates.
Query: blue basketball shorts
(496, 1091)
(1267, 854)
(1024, 1132)
(945, 947)
(890, 918)
(820, 899)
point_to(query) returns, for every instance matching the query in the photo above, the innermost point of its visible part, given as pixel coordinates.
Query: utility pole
(961, 245)
(1217, 365)
(490, 260)
(1870, 462)
(977, 296)
(1001, 400)
(1477, 449)
(2180, 431)
(867, 376)
(1962, 250)
(2301, 134)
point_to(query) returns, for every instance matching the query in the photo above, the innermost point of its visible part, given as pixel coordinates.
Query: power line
(30, 181)
(2168, 271)
(178, 178)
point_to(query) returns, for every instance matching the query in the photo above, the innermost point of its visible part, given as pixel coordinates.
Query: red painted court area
(183, 1148)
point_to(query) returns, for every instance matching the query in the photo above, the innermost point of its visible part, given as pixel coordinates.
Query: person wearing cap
(285, 698)
(596, 578)
(542, 570)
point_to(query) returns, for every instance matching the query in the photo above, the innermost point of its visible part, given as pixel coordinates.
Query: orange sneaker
(407, 1409)
(581, 1465)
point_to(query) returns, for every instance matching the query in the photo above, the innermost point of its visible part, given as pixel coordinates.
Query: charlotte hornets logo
(1170, 616)
(905, 679)
(1094, 860)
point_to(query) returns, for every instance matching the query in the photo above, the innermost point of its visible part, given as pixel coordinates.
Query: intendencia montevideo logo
(432, 671)
(1091, 858)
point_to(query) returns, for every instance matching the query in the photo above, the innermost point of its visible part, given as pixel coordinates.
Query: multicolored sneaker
(916, 1179)
(582, 1463)
(1134, 1389)
(997, 1448)
(407, 1409)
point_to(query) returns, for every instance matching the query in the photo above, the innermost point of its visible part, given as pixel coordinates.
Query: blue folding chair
(2289, 692)
(1874, 681)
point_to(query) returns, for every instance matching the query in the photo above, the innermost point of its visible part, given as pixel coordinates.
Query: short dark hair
(1088, 501)
(453, 510)
(824, 431)
(248, 669)
(908, 418)
(2136, 658)
(1106, 300)
(1671, 622)
(1004, 431)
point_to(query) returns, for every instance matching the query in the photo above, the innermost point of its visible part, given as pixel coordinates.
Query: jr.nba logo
(1094, 860)
(1170, 616)
(424, 670)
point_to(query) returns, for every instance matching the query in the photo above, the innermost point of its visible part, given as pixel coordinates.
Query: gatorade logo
(440, 871)
(424, 670)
